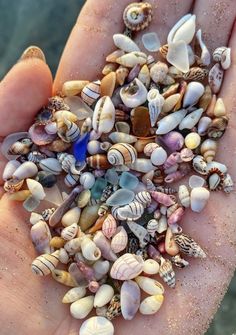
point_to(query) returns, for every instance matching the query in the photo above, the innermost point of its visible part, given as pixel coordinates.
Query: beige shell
(111, 58)
(149, 285)
(208, 150)
(13, 185)
(132, 58)
(119, 137)
(158, 72)
(64, 278)
(122, 153)
(151, 267)
(41, 236)
(63, 256)
(109, 67)
(137, 16)
(151, 305)
(170, 103)
(170, 245)
(184, 196)
(119, 240)
(44, 264)
(219, 109)
(83, 198)
(183, 30)
(144, 75)
(215, 78)
(133, 95)
(104, 115)
(149, 148)
(121, 74)
(91, 92)
(125, 43)
(89, 250)
(71, 216)
(82, 307)
(68, 233)
(97, 325)
(103, 296)
(74, 294)
(109, 226)
(205, 98)
(73, 246)
(126, 267)
(73, 87)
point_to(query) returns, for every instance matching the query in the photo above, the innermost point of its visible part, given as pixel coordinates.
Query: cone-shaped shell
(71, 216)
(188, 246)
(170, 122)
(103, 296)
(104, 115)
(44, 264)
(127, 267)
(74, 294)
(41, 236)
(151, 305)
(193, 93)
(82, 307)
(129, 299)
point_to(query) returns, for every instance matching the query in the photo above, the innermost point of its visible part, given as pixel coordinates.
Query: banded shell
(208, 149)
(152, 227)
(167, 273)
(134, 210)
(104, 115)
(143, 197)
(137, 16)
(91, 92)
(98, 161)
(134, 95)
(103, 296)
(82, 307)
(119, 240)
(41, 236)
(68, 233)
(44, 264)
(223, 55)
(151, 305)
(89, 250)
(74, 294)
(129, 299)
(97, 325)
(188, 246)
(215, 78)
(184, 196)
(149, 285)
(126, 267)
(122, 153)
(124, 43)
(184, 29)
(72, 132)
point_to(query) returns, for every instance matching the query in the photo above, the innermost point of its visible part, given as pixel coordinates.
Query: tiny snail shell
(134, 210)
(151, 267)
(21, 147)
(122, 153)
(200, 165)
(74, 294)
(155, 104)
(87, 180)
(228, 184)
(25, 170)
(73, 246)
(208, 149)
(36, 189)
(44, 264)
(162, 198)
(94, 147)
(151, 305)
(137, 16)
(41, 236)
(132, 59)
(134, 95)
(149, 148)
(91, 92)
(72, 133)
(188, 246)
(143, 197)
(149, 285)
(82, 307)
(152, 227)
(109, 226)
(103, 296)
(184, 196)
(97, 325)
(119, 240)
(126, 267)
(217, 127)
(158, 72)
(68, 233)
(167, 273)
(98, 161)
(89, 250)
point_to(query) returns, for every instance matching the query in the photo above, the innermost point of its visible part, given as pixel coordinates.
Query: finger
(216, 19)
(90, 41)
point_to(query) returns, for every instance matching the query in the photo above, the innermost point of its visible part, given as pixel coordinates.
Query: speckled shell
(44, 264)
(167, 273)
(188, 246)
(137, 16)
(215, 78)
(91, 92)
(126, 267)
(122, 153)
(119, 240)
(121, 74)
(104, 115)
(109, 226)
(97, 325)
(68, 233)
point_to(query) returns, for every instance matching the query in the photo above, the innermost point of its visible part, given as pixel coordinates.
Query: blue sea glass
(128, 180)
(112, 176)
(98, 187)
(121, 197)
(31, 203)
(80, 147)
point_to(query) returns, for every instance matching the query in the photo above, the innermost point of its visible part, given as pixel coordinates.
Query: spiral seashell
(67, 162)
(44, 264)
(134, 95)
(223, 55)
(217, 127)
(208, 150)
(137, 16)
(162, 198)
(98, 161)
(89, 250)
(173, 159)
(97, 325)
(91, 92)
(47, 213)
(167, 273)
(184, 196)
(183, 30)
(188, 246)
(103, 244)
(134, 210)
(68, 233)
(158, 72)
(143, 197)
(109, 226)
(126, 267)
(215, 78)
(155, 104)
(13, 185)
(152, 227)
(166, 190)
(104, 115)
(228, 184)
(122, 153)
(119, 240)
(72, 132)
(21, 147)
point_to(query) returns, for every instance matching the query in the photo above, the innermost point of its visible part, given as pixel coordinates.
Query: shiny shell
(155, 104)
(217, 127)
(184, 29)
(97, 325)
(143, 197)
(124, 43)
(98, 161)
(71, 216)
(50, 165)
(184, 196)
(193, 93)
(199, 198)
(137, 16)
(188, 246)
(74, 294)
(152, 227)
(151, 305)
(132, 59)
(119, 240)
(119, 137)
(41, 236)
(104, 115)
(21, 147)
(134, 95)
(151, 267)
(129, 299)
(82, 307)
(170, 122)
(149, 285)
(103, 296)
(89, 250)
(104, 245)
(200, 165)
(215, 78)
(126, 267)
(91, 92)
(44, 264)
(25, 170)
(122, 153)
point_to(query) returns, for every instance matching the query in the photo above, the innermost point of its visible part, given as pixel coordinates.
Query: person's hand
(30, 304)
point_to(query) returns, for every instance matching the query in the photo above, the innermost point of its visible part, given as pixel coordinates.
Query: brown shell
(164, 50)
(195, 73)
(120, 115)
(13, 185)
(108, 84)
(182, 90)
(220, 174)
(137, 16)
(218, 127)
(98, 162)
(205, 98)
(58, 146)
(173, 89)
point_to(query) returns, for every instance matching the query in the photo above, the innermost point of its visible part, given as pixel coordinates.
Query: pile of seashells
(121, 143)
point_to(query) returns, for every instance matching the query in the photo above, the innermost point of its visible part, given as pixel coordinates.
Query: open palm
(33, 305)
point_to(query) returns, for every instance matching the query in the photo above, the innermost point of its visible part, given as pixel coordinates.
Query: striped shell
(137, 16)
(72, 132)
(188, 246)
(109, 226)
(143, 197)
(152, 227)
(104, 115)
(167, 273)
(69, 232)
(47, 213)
(98, 161)
(21, 147)
(91, 92)
(119, 240)
(122, 153)
(162, 198)
(13, 185)
(36, 156)
(126, 267)
(134, 211)
(44, 264)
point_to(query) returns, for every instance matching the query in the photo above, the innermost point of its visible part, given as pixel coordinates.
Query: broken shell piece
(184, 29)
(178, 55)
(228, 184)
(137, 16)
(196, 181)
(134, 95)
(199, 198)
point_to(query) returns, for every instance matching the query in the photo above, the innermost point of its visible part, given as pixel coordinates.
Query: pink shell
(126, 267)
(149, 148)
(164, 199)
(170, 178)
(172, 160)
(176, 216)
(186, 155)
(119, 240)
(39, 136)
(109, 226)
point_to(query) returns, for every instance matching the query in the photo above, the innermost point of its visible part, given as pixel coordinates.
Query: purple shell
(174, 141)
(39, 136)
(134, 73)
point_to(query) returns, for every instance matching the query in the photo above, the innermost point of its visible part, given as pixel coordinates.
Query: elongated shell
(143, 197)
(151, 305)
(132, 59)
(215, 78)
(122, 153)
(155, 104)
(119, 240)
(91, 92)
(208, 149)
(191, 119)
(68, 233)
(98, 161)
(149, 285)
(128, 266)
(74, 294)
(124, 43)
(129, 299)
(103, 296)
(51, 165)
(104, 115)
(137, 16)
(25, 170)
(97, 325)
(82, 307)
(41, 236)
(184, 29)
(170, 122)
(184, 196)
(188, 246)
(44, 264)
(167, 273)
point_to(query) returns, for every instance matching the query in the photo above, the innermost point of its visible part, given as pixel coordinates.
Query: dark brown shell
(196, 73)
(221, 176)
(137, 16)
(164, 50)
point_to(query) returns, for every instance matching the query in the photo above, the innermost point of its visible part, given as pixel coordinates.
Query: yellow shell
(164, 50)
(109, 67)
(73, 87)
(57, 242)
(219, 109)
(108, 84)
(44, 264)
(63, 277)
(211, 106)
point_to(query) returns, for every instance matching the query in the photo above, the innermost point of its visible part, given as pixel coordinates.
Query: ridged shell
(119, 240)
(188, 246)
(143, 197)
(91, 92)
(126, 267)
(137, 16)
(122, 153)
(104, 115)
(155, 104)
(184, 196)
(208, 150)
(167, 273)
(109, 226)
(44, 264)
(97, 325)
(68, 233)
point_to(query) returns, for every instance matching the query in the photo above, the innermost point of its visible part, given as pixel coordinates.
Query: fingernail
(33, 52)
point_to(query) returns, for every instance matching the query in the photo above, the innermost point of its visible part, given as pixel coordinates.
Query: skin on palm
(33, 303)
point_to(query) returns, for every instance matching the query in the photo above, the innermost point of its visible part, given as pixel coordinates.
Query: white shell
(74, 294)
(63, 256)
(119, 240)
(223, 55)
(125, 43)
(203, 125)
(103, 296)
(149, 285)
(151, 42)
(68, 233)
(151, 267)
(158, 156)
(89, 250)
(97, 325)
(191, 119)
(71, 179)
(162, 224)
(143, 197)
(71, 216)
(184, 29)
(104, 115)
(94, 147)
(134, 100)
(82, 307)
(101, 268)
(131, 59)
(151, 305)
(41, 236)
(35, 217)
(134, 210)
(142, 165)
(129, 299)
(205, 54)
(51, 165)
(184, 196)
(25, 170)
(215, 78)
(177, 55)
(170, 122)
(126, 267)
(193, 93)
(36, 189)
(9, 169)
(118, 137)
(155, 104)
(199, 198)
(214, 164)
(91, 92)
(87, 180)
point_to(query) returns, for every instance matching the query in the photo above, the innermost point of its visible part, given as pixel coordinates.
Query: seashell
(83, 198)
(129, 299)
(82, 307)
(142, 165)
(9, 141)
(132, 58)
(200, 165)
(149, 148)
(9, 169)
(151, 305)
(137, 16)
(103, 244)
(41, 236)
(143, 197)
(73, 246)
(149, 285)
(104, 115)
(177, 56)
(44, 264)
(39, 135)
(173, 140)
(56, 103)
(71, 216)
(36, 189)
(134, 95)
(35, 217)
(118, 137)
(228, 184)
(169, 122)
(158, 72)
(114, 308)
(151, 267)
(168, 80)
(196, 181)
(13, 185)
(158, 156)
(205, 58)
(203, 125)
(144, 75)
(195, 73)
(97, 325)
(140, 232)
(167, 273)
(87, 180)
(155, 104)
(91, 92)
(199, 197)
(90, 250)
(191, 119)
(98, 161)
(94, 147)
(115, 54)
(170, 245)
(170, 103)
(134, 210)
(125, 43)
(215, 179)
(162, 198)
(217, 127)
(50, 165)
(36, 156)
(215, 78)
(121, 74)
(74, 294)
(73, 87)
(21, 147)
(25, 170)
(223, 55)
(101, 268)
(174, 176)
(108, 84)
(172, 160)
(208, 149)
(219, 108)
(152, 227)
(188, 246)
(193, 93)
(192, 140)
(184, 29)
(68, 233)
(110, 67)
(179, 262)
(122, 127)
(103, 296)
(126, 267)
(122, 153)
(119, 240)
(47, 213)
(72, 132)
(57, 145)
(163, 50)
(184, 196)
(88, 216)
(57, 243)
